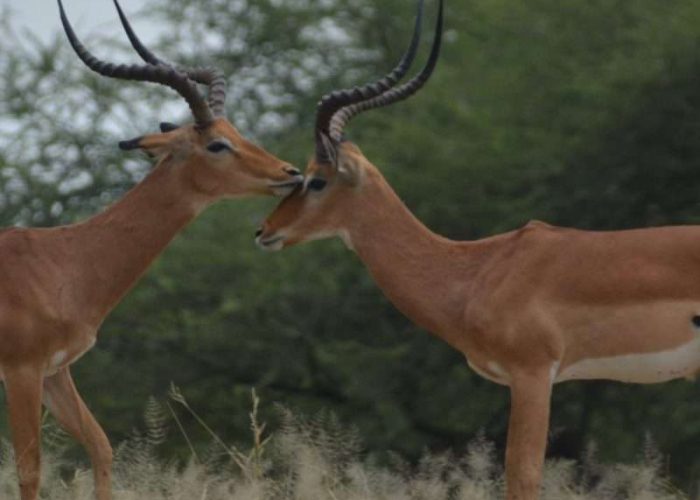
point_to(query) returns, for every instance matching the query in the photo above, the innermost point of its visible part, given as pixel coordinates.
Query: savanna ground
(317, 458)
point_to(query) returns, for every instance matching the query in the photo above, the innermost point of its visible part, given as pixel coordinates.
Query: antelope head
(210, 153)
(339, 180)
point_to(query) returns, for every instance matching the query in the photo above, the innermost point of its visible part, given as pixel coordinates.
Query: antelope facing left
(58, 284)
(529, 308)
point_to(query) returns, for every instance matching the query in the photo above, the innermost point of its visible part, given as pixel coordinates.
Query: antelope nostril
(258, 233)
(292, 171)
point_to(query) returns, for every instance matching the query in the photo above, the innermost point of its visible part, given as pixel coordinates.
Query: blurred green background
(583, 113)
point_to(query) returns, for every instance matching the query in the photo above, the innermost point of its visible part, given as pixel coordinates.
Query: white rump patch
(343, 234)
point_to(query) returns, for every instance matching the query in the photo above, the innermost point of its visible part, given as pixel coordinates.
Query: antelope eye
(317, 184)
(219, 145)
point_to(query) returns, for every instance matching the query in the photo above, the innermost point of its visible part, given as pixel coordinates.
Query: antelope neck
(426, 276)
(124, 240)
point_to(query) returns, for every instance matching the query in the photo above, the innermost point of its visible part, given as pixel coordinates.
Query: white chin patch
(343, 234)
(286, 188)
(270, 245)
(282, 191)
(275, 247)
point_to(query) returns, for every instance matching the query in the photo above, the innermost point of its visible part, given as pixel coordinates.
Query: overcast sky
(87, 16)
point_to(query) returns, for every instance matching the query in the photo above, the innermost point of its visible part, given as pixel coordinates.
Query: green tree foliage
(59, 126)
(583, 113)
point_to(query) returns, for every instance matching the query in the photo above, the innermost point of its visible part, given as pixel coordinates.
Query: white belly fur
(649, 368)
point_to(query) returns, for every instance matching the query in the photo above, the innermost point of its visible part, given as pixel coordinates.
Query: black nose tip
(292, 171)
(258, 233)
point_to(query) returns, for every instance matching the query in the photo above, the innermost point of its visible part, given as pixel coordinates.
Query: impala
(527, 308)
(58, 284)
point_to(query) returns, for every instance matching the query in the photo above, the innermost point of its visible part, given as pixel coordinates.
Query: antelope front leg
(527, 433)
(23, 391)
(65, 404)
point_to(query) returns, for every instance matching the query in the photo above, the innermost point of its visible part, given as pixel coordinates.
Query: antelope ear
(131, 144)
(154, 145)
(146, 142)
(166, 127)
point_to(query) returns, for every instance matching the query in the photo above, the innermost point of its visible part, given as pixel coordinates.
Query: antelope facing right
(58, 284)
(528, 308)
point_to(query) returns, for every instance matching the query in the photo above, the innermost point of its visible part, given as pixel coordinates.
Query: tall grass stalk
(318, 459)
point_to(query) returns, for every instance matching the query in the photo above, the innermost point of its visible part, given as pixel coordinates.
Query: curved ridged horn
(331, 103)
(396, 94)
(211, 77)
(165, 75)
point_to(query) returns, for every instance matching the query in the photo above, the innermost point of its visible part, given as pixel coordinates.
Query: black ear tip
(131, 144)
(168, 127)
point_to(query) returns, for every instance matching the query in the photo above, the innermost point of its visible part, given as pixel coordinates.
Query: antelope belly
(647, 368)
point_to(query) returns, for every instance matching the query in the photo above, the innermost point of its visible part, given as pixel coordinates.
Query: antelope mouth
(270, 243)
(285, 188)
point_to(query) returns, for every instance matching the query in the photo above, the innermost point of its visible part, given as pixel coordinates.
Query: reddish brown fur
(522, 306)
(58, 284)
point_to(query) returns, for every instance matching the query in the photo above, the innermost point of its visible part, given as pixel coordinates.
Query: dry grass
(317, 459)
